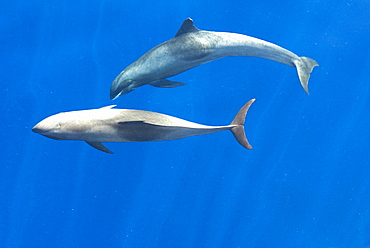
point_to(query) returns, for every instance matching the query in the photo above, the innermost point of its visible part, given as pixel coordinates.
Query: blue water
(305, 183)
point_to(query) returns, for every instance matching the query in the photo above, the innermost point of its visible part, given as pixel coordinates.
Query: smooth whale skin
(126, 125)
(192, 47)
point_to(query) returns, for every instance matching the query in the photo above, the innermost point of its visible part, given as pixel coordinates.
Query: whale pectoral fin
(187, 27)
(99, 146)
(164, 83)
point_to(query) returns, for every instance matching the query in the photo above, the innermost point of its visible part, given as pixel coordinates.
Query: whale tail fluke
(304, 67)
(238, 122)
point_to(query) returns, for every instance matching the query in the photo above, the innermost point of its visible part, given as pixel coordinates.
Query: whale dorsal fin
(108, 107)
(187, 27)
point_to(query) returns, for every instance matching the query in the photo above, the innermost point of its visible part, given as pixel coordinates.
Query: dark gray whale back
(192, 47)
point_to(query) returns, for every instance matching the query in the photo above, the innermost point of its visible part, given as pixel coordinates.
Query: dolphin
(192, 47)
(127, 125)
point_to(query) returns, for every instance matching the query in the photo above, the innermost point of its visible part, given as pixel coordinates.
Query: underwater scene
(241, 124)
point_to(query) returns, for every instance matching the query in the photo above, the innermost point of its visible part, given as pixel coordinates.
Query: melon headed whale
(107, 124)
(192, 47)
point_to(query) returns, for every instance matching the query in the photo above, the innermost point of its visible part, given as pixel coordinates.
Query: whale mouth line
(115, 97)
(37, 130)
(122, 90)
(45, 133)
